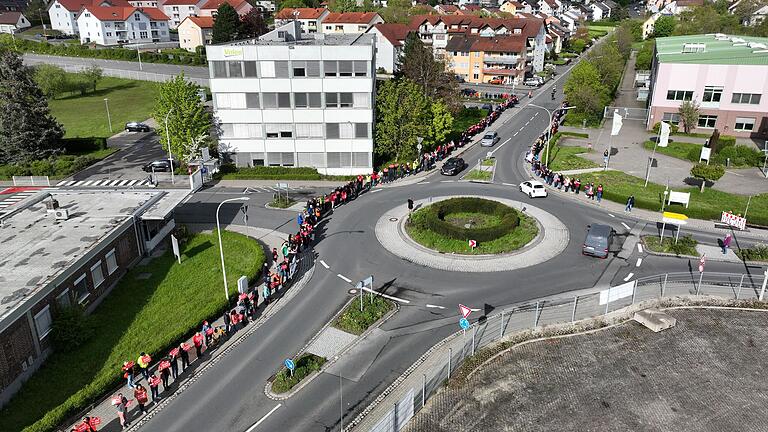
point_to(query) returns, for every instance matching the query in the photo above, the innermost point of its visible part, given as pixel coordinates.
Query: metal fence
(31, 181)
(132, 74)
(426, 378)
(626, 113)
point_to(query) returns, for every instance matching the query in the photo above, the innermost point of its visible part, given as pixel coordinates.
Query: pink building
(726, 75)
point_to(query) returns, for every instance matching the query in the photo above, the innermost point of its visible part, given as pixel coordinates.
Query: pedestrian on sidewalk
(128, 372)
(165, 371)
(265, 293)
(197, 340)
(140, 394)
(143, 362)
(577, 186)
(410, 205)
(174, 355)
(630, 204)
(599, 192)
(274, 254)
(89, 424)
(184, 352)
(121, 404)
(204, 331)
(154, 383)
(727, 243)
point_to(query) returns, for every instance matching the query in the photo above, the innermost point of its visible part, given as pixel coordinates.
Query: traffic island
(356, 321)
(305, 366)
(684, 246)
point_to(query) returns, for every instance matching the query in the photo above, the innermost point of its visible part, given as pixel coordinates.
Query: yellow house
(496, 59)
(195, 31)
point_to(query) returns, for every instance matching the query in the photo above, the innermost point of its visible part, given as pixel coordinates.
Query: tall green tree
(440, 124)
(252, 24)
(397, 11)
(689, 114)
(664, 26)
(92, 75)
(342, 5)
(402, 113)
(28, 131)
(226, 24)
(420, 66)
(584, 90)
(189, 123)
(282, 4)
(51, 79)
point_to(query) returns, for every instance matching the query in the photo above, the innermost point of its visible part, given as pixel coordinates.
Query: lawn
(463, 120)
(565, 158)
(305, 365)
(707, 205)
(488, 162)
(478, 175)
(680, 150)
(686, 245)
(86, 116)
(139, 315)
(356, 322)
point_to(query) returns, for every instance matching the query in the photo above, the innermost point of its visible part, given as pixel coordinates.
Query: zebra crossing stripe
(132, 182)
(87, 183)
(114, 182)
(123, 182)
(61, 183)
(72, 183)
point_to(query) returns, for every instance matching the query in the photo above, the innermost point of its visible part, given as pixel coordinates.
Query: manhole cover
(393, 219)
(352, 291)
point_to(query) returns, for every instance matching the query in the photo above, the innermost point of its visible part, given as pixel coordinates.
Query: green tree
(664, 26)
(397, 11)
(624, 39)
(402, 113)
(419, 65)
(28, 132)
(51, 79)
(440, 124)
(252, 25)
(689, 114)
(707, 173)
(35, 10)
(644, 57)
(226, 25)
(585, 90)
(92, 75)
(189, 122)
(609, 63)
(342, 5)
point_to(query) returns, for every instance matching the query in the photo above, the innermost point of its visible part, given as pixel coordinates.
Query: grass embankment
(139, 315)
(564, 158)
(305, 366)
(230, 172)
(463, 120)
(707, 205)
(356, 322)
(686, 245)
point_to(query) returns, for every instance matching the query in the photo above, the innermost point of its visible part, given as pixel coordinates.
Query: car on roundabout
(533, 188)
(453, 166)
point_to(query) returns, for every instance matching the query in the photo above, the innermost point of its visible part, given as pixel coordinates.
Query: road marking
(509, 184)
(629, 276)
(611, 215)
(386, 296)
(446, 181)
(376, 190)
(250, 429)
(435, 306)
(124, 182)
(87, 183)
(133, 182)
(625, 225)
(344, 278)
(640, 248)
(324, 264)
(521, 129)
(526, 123)
(639, 261)
(515, 134)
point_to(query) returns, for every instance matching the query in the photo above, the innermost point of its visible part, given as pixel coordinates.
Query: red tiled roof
(11, 18)
(476, 43)
(304, 13)
(202, 22)
(214, 4)
(529, 26)
(447, 8)
(180, 2)
(395, 33)
(76, 5)
(116, 13)
(350, 18)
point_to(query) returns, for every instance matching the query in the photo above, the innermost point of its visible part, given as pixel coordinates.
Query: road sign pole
(664, 285)
(361, 299)
(501, 326)
(573, 312)
(536, 317)
(423, 389)
(474, 333)
(450, 354)
(765, 282)
(698, 288)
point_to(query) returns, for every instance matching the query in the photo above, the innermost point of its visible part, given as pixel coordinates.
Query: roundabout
(540, 235)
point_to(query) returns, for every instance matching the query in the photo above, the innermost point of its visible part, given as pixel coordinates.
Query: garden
(152, 308)
(448, 226)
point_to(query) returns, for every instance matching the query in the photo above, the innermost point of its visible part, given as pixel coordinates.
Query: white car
(533, 189)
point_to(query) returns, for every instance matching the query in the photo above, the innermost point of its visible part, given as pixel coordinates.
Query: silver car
(490, 139)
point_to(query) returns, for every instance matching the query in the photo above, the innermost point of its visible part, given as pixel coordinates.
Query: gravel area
(703, 375)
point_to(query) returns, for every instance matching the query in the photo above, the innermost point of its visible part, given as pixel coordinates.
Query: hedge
(231, 172)
(435, 219)
(84, 145)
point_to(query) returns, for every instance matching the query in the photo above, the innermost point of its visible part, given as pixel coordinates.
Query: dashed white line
(640, 248)
(250, 429)
(344, 278)
(526, 123)
(376, 190)
(629, 276)
(446, 181)
(625, 225)
(639, 261)
(324, 264)
(509, 184)
(611, 215)
(435, 306)
(515, 134)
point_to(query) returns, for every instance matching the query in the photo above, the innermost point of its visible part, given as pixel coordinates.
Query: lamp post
(109, 118)
(168, 140)
(549, 127)
(221, 247)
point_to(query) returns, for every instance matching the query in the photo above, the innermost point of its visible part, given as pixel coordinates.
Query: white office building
(296, 99)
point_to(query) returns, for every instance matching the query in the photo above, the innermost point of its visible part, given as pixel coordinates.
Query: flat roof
(713, 49)
(330, 39)
(35, 248)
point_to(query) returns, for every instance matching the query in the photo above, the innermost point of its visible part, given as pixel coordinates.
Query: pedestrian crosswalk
(263, 189)
(109, 183)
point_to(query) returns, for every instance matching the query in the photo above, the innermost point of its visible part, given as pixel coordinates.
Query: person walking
(630, 204)
(140, 394)
(727, 243)
(599, 192)
(197, 340)
(274, 254)
(121, 404)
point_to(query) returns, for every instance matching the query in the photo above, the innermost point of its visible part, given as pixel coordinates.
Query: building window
(362, 28)
(306, 69)
(707, 121)
(280, 159)
(307, 100)
(277, 100)
(361, 100)
(63, 300)
(251, 100)
(339, 100)
(673, 118)
(746, 98)
(43, 322)
(279, 130)
(679, 95)
(281, 69)
(109, 34)
(80, 288)
(235, 69)
(744, 124)
(314, 159)
(346, 68)
(136, 17)
(361, 68)
(219, 69)
(143, 35)
(339, 130)
(712, 94)
(231, 100)
(97, 274)
(361, 130)
(111, 262)
(330, 68)
(309, 130)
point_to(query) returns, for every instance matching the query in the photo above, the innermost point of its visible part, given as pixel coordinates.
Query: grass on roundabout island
(478, 175)
(305, 365)
(356, 322)
(282, 202)
(514, 240)
(686, 245)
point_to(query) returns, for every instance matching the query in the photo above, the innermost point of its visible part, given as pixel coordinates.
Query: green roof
(713, 49)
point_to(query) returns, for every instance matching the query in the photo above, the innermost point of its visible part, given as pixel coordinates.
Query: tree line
(54, 81)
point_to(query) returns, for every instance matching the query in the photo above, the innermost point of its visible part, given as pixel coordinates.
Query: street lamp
(549, 128)
(109, 118)
(221, 247)
(168, 139)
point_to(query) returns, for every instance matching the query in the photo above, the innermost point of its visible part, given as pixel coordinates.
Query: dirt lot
(706, 374)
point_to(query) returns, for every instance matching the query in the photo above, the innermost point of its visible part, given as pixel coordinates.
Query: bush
(71, 328)
(739, 155)
(230, 172)
(356, 322)
(436, 213)
(305, 365)
(673, 128)
(686, 245)
(84, 145)
(757, 253)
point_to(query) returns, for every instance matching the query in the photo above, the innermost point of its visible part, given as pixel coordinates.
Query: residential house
(311, 19)
(209, 8)
(178, 10)
(63, 13)
(115, 25)
(12, 22)
(570, 19)
(267, 6)
(350, 22)
(447, 9)
(482, 59)
(754, 18)
(13, 5)
(679, 6)
(195, 31)
(143, 3)
(599, 11)
(390, 41)
(511, 7)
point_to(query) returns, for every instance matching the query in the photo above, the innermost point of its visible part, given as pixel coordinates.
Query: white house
(296, 99)
(63, 13)
(12, 22)
(195, 31)
(350, 22)
(178, 10)
(311, 19)
(241, 6)
(122, 25)
(143, 3)
(390, 41)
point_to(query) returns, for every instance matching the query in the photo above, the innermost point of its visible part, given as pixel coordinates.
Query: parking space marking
(639, 261)
(629, 276)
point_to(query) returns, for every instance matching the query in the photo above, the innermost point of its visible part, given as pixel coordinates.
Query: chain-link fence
(626, 113)
(435, 367)
(125, 73)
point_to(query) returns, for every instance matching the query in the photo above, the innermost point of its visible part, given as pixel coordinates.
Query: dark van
(598, 241)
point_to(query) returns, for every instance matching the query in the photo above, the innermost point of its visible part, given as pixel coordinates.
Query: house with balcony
(63, 13)
(110, 26)
(488, 59)
(511, 7)
(179, 10)
(390, 42)
(350, 22)
(210, 7)
(311, 19)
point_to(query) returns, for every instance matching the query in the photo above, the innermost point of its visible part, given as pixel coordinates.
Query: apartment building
(296, 99)
(195, 31)
(178, 10)
(108, 26)
(63, 13)
(482, 59)
(726, 75)
(311, 19)
(390, 42)
(350, 22)
(211, 6)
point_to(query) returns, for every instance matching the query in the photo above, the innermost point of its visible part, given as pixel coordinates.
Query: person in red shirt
(197, 340)
(154, 384)
(140, 394)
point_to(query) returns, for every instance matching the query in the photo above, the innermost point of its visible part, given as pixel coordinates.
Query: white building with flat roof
(296, 99)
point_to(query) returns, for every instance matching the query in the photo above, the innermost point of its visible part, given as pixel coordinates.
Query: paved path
(330, 342)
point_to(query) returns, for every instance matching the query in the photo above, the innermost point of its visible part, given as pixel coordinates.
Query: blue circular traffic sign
(464, 323)
(289, 364)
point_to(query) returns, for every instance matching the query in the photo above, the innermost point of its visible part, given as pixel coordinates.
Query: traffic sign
(473, 244)
(702, 262)
(464, 323)
(289, 364)
(465, 311)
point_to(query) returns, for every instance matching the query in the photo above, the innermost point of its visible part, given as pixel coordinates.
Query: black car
(161, 165)
(453, 166)
(136, 127)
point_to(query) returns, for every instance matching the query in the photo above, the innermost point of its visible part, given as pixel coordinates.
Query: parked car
(136, 127)
(453, 166)
(160, 165)
(598, 241)
(533, 189)
(496, 81)
(490, 139)
(534, 81)
(488, 107)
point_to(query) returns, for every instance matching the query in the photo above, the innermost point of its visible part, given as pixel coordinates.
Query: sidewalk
(197, 366)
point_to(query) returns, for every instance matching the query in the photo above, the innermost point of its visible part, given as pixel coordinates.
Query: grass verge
(356, 322)
(519, 237)
(681, 150)
(139, 315)
(488, 162)
(306, 364)
(707, 205)
(686, 245)
(755, 253)
(563, 158)
(478, 175)
(231, 172)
